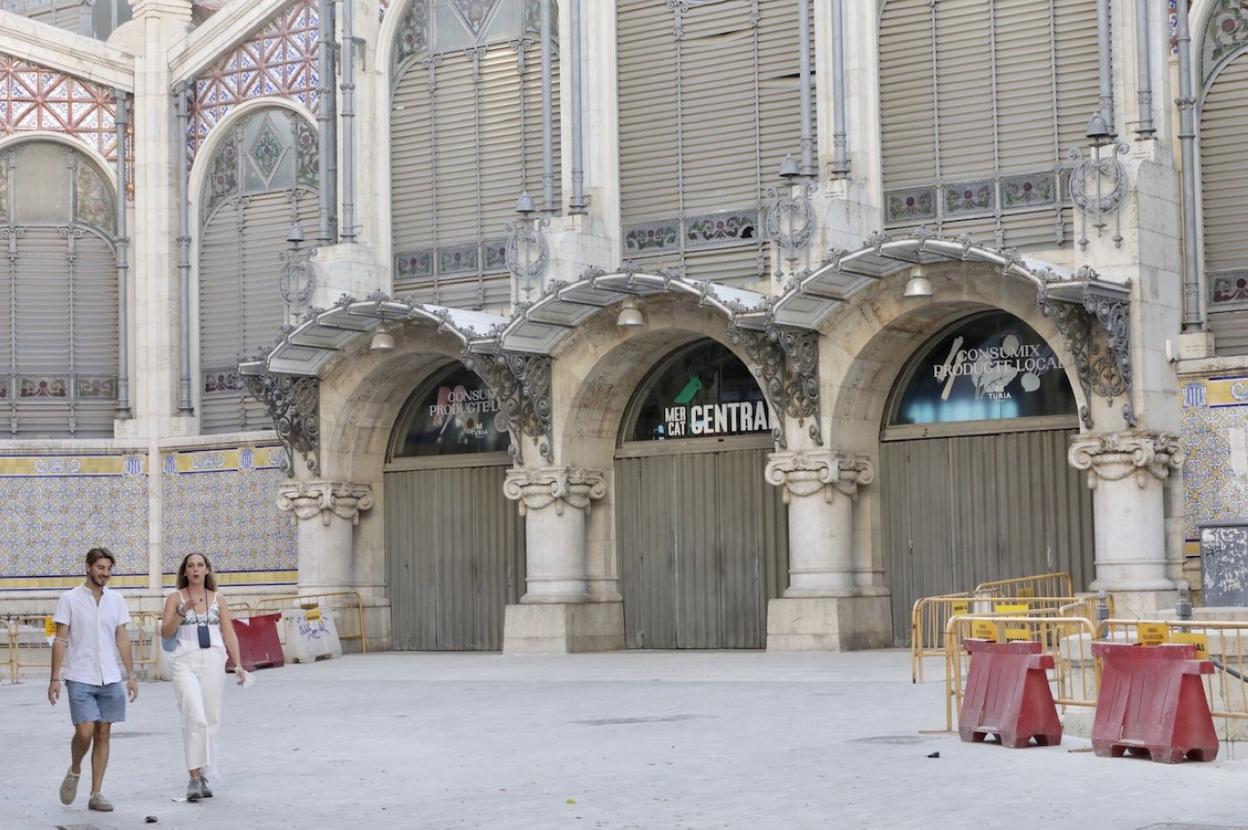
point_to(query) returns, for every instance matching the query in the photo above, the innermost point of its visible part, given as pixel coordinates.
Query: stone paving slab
(625, 740)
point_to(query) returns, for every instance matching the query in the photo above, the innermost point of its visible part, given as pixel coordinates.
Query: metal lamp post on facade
(1098, 184)
(790, 221)
(297, 280)
(527, 254)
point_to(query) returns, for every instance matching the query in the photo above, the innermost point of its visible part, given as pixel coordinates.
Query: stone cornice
(1116, 455)
(217, 35)
(538, 489)
(309, 499)
(804, 473)
(83, 57)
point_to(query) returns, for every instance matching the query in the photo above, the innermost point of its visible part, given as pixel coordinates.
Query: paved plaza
(622, 740)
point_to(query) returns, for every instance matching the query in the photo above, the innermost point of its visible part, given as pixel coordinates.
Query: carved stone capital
(1116, 455)
(309, 499)
(537, 489)
(804, 473)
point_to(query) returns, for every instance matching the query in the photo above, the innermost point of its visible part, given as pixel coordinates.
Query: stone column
(1127, 473)
(820, 487)
(556, 614)
(823, 609)
(325, 546)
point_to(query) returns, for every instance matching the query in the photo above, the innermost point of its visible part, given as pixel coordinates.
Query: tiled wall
(1215, 437)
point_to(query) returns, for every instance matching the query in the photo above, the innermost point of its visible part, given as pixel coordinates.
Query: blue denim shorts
(101, 704)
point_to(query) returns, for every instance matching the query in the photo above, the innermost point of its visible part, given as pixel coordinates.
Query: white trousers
(198, 682)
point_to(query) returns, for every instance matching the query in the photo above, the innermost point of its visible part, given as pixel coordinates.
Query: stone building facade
(652, 324)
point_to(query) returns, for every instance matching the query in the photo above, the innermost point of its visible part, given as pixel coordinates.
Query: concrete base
(829, 623)
(1143, 605)
(563, 627)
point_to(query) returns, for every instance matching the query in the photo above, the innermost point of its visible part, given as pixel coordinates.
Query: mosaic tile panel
(53, 509)
(224, 503)
(1226, 32)
(1215, 438)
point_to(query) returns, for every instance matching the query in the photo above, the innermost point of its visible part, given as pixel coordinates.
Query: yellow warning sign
(1012, 634)
(1153, 634)
(962, 607)
(1026, 591)
(49, 627)
(1201, 641)
(313, 614)
(984, 630)
(1016, 608)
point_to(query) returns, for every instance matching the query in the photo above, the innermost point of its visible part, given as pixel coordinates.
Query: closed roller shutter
(980, 100)
(95, 348)
(1224, 169)
(42, 342)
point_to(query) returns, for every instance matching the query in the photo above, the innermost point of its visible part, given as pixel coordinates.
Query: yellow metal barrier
(1075, 677)
(1057, 584)
(28, 643)
(1224, 643)
(309, 601)
(931, 614)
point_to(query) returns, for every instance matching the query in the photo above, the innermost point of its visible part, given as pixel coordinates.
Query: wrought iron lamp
(790, 217)
(297, 280)
(527, 255)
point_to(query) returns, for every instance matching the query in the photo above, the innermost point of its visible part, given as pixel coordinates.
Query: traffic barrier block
(258, 644)
(1152, 701)
(1008, 695)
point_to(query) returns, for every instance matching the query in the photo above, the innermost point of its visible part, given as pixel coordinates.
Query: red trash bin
(1152, 701)
(258, 646)
(1007, 694)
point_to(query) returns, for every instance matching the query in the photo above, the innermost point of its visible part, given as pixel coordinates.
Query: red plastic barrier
(1008, 695)
(1152, 701)
(258, 645)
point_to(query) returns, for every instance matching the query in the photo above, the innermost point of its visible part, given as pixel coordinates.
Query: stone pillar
(556, 614)
(823, 609)
(325, 546)
(1127, 472)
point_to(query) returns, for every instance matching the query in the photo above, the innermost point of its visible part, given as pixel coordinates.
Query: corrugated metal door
(967, 509)
(703, 544)
(454, 557)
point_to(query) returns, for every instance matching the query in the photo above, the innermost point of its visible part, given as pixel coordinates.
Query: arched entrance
(702, 538)
(454, 544)
(974, 478)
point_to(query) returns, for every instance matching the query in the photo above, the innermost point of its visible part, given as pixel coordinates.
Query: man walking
(91, 620)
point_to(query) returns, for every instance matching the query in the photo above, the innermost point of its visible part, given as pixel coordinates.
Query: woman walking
(199, 617)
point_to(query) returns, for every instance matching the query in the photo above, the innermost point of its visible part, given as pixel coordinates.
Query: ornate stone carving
(1115, 456)
(309, 499)
(537, 489)
(808, 473)
(294, 405)
(521, 384)
(788, 361)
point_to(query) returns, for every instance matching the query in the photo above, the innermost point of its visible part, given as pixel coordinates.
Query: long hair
(210, 581)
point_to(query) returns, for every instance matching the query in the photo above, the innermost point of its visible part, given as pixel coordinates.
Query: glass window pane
(452, 414)
(42, 184)
(991, 367)
(700, 391)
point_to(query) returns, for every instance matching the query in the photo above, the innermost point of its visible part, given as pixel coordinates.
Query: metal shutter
(1224, 169)
(220, 314)
(964, 88)
(43, 319)
(907, 93)
(95, 346)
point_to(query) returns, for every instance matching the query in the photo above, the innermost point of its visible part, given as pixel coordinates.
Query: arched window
(980, 100)
(261, 178)
(702, 390)
(709, 105)
(58, 287)
(1223, 150)
(465, 140)
(452, 413)
(990, 367)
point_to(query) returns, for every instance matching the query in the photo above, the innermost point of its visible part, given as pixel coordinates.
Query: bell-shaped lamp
(630, 316)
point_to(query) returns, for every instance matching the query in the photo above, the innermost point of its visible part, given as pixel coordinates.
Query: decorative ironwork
(790, 222)
(527, 254)
(787, 360)
(280, 61)
(297, 280)
(1102, 361)
(294, 405)
(521, 385)
(34, 97)
(1097, 186)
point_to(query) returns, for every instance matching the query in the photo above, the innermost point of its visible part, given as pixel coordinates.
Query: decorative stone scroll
(294, 405)
(521, 384)
(1102, 361)
(787, 359)
(309, 499)
(808, 473)
(1115, 456)
(538, 489)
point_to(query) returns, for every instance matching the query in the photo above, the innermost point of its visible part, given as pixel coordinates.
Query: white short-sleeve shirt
(93, 656)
